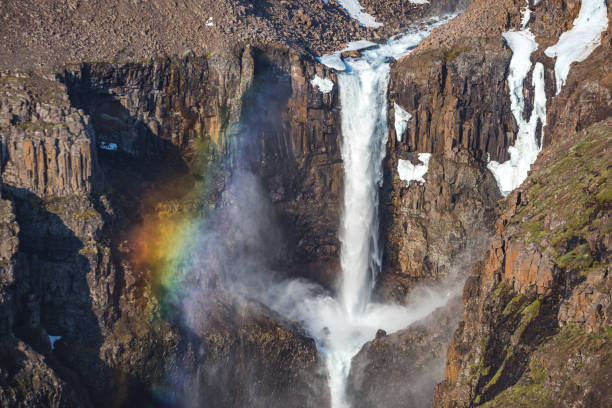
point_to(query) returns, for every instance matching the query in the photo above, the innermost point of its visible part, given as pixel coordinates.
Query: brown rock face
(143, 124)
(448, 92)
(435, 230)
(455, 91)
(47, 145)
(250, 359)
(302, 169)
(541, 287)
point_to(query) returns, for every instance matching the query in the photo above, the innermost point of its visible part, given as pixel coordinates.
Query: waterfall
(342, 324)
(347, 323)
(363, 98)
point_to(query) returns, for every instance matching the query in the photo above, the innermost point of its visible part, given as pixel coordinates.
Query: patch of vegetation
(567, 198)
(528, 395)
(452, 54)
(90, 249)
(579, 258)
(528, 314)
(512, 306)
(85, 215)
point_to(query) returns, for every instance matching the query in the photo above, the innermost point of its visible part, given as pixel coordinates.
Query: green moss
(521, 396)
(605, 196)
(451, 55)
(529, 393)
(89, 250)
(579, 258)
(533, 389)
(85, 215)
(528, 315)
(513, 305)
(567, 198)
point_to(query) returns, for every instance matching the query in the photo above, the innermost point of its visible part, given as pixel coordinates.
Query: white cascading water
(363, 97)
(341, 324)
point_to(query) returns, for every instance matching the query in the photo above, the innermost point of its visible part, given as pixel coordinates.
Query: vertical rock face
(544, 285)
(302, 168)
(453, 86)
(447, 90)
(76, 166)
(253, 358)
(8, 254)
(161, 106)
(47, 145)
(434, 230)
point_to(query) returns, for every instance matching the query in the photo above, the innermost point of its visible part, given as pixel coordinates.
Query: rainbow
(162, 247)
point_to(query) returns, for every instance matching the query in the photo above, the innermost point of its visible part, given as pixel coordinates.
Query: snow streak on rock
(335, 60)
(578, 43)
(355, 10)
(511, 174)
(401, 121)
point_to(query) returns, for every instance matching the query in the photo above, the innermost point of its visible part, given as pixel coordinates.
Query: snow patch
(325, 85)
(409, 172)
(53, 339)
(401, 121)
(525, 16)
(511, 174)
(578, 43)
(108, 146)
(355, 10)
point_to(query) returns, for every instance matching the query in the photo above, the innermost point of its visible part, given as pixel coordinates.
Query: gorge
(290, 203)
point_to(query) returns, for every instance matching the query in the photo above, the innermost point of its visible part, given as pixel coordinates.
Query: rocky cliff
(453, 88)
(401, 368)
(446, 86)
(87, 157)
(543, 286)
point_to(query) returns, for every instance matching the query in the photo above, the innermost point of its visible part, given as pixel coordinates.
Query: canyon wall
(89, 155)
(453, 85)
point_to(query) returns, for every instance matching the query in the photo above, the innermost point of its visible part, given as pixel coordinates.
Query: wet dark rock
(400, 369)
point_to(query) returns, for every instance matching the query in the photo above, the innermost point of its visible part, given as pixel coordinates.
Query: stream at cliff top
(342, 324)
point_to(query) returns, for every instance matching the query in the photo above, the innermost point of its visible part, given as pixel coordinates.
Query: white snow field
(401, 121)
(511, 173)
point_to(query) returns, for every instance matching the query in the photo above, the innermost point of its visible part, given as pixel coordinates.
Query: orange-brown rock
(541, 286)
